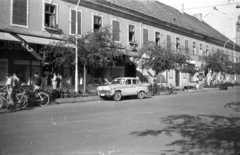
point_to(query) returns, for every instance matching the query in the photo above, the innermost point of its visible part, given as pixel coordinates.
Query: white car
(121, 87)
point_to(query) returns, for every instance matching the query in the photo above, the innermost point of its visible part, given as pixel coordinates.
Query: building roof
(167, 14)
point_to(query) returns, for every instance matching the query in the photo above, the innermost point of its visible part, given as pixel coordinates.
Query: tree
(237, 68)
(161, 58)
(214, 62)
(95, 49)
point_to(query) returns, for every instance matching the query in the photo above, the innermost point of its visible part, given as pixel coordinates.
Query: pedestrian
(15, 81)
(59, 81)
(38, 82)
(54, 81)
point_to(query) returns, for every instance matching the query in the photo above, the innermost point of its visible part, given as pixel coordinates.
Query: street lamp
(76, 56)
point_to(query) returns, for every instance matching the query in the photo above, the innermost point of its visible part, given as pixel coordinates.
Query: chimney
(198, 16)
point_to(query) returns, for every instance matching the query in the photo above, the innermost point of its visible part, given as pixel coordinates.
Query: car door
(136, 84)
(128, 89)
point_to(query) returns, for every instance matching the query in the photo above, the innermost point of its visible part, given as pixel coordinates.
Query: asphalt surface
(127, 127)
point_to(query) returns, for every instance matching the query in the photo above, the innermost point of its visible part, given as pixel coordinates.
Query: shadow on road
(201, 134)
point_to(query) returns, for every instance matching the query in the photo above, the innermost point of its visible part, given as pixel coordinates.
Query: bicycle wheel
(24, 102)
(167, 91)
(42, 99)
(1, 103)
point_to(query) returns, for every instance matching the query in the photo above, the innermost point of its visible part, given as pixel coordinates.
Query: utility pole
(76, 56)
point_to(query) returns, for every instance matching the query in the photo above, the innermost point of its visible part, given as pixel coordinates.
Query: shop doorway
(130, 70)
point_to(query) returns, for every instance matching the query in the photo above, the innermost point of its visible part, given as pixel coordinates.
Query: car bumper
(105, 93)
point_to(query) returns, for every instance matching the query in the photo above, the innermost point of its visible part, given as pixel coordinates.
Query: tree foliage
(161, 58)
(220, 62)
(214, 62)
(237, 68)
(95, 49)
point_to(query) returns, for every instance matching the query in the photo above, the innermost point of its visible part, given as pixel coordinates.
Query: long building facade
(28, 25)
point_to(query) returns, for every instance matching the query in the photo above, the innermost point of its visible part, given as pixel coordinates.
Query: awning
(7, 37)
(38, 40)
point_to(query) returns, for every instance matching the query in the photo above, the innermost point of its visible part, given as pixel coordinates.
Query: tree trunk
(84, 78)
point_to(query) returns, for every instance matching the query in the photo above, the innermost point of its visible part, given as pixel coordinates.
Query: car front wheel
(117, 96)
(141, 95)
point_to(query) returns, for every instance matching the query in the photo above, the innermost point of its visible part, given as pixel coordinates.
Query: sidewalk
(75, 100)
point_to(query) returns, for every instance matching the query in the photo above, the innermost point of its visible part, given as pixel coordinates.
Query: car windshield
(118, 81)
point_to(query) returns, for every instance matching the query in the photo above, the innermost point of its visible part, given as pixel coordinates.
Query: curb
(74, 100)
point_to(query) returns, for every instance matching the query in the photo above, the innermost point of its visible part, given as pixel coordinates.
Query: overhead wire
(210, 6)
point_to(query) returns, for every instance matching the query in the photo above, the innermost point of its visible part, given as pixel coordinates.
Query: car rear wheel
(141, 95)
(117, 96)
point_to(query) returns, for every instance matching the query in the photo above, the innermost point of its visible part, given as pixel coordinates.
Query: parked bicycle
(19, 99)
(40, 97)
(170, 90)
(155, 89)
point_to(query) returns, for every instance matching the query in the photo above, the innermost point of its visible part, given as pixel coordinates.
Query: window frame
(128, 83)
(200, 53)
(159, 42)
(70, 17)
(43, 15)
(11, 16)
(128, 41)
(114, 19)
(177, 48)
(207, 51)
(96, 14)
(194, 52)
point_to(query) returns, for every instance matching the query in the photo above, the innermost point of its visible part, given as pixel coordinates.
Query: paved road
(128, 127)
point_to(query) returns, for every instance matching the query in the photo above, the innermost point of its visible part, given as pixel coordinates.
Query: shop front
(15, 58)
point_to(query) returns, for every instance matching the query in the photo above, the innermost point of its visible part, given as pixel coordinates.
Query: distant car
(121, 87)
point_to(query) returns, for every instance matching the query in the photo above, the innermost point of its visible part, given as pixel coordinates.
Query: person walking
(59, 81)
(15, 81)
(54, 81)
(38, 82)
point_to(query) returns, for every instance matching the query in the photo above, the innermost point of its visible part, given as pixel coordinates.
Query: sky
(205, 6)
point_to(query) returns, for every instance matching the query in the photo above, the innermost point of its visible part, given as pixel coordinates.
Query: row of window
(20, 18)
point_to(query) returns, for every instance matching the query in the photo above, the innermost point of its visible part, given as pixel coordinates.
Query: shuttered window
(73, 22)
(168, 41)
(19, 12)
(186, 44)
(145, 37)
(116, 30)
